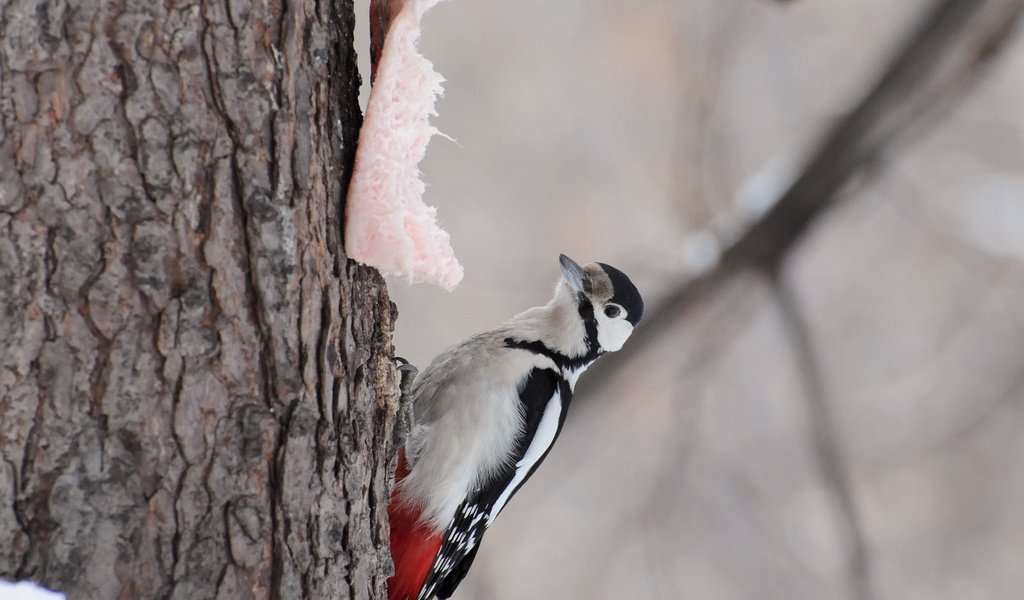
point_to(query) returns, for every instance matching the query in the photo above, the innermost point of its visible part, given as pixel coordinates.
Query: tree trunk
(196, 396)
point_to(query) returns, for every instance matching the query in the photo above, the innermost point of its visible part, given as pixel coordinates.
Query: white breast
(466, 430)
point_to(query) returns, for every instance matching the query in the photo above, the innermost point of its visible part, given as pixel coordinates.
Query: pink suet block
(387, 224)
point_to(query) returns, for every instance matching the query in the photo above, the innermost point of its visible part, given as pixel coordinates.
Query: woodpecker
(485, 413)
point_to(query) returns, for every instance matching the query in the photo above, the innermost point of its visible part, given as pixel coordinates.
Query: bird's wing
(544, 397)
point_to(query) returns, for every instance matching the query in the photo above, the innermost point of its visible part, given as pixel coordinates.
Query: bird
(484, 415)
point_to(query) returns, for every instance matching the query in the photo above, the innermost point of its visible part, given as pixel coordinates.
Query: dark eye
(612, 311)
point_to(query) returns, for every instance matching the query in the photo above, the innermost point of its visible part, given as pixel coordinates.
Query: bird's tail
(413, 545)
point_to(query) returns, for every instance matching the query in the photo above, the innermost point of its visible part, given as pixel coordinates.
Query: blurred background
(856, 431)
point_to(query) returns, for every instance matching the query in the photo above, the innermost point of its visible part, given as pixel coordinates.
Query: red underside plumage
(413, 545)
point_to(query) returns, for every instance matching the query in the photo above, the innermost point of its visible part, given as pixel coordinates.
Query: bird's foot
(405, 418)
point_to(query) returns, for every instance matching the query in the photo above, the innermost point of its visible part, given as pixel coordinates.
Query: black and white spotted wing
(461, 541)
(545, 397)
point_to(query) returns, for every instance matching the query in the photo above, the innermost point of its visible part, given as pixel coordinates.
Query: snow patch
(26, 590)
(759, 192)
(993, 215)
(700, 252)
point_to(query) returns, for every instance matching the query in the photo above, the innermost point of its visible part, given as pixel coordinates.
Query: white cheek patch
(612, 333)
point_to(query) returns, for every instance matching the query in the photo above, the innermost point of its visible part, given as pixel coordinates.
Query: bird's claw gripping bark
(404, 418)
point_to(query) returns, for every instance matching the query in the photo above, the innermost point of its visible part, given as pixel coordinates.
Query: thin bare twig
(825, 438)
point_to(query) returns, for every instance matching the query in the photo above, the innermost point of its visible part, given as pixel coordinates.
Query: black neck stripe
(563, 362)
(586, 310)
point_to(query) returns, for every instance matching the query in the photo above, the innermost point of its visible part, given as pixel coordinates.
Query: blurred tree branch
(825, 439)
(941, 59)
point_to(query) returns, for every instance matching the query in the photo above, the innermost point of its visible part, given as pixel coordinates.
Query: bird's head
(606, 300)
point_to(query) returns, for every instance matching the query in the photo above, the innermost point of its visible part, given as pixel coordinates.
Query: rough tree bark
(196, 396)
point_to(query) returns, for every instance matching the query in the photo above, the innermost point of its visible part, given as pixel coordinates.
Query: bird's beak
(575, 276)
